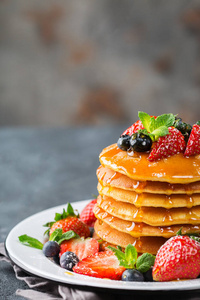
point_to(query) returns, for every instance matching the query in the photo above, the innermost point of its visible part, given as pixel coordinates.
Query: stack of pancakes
(144, 203)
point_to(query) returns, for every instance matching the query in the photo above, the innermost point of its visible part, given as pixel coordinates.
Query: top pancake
(174, 169)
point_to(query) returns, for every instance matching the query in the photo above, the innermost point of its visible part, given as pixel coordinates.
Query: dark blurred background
(68, 63)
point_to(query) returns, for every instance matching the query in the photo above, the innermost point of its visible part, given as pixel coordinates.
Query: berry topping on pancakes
(161, 136)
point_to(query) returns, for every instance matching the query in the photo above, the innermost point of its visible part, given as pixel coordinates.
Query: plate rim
(86, 282)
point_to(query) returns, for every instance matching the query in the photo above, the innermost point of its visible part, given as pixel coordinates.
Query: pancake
(150, 215)
(108, 177)
(142, 229)
(135, 165)
(118, 238)
(148, 200)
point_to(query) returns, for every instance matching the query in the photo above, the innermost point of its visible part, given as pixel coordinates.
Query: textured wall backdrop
(98, 62)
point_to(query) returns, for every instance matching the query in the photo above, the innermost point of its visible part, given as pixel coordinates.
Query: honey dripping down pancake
(150, 200)
(139, 229)
(149, 184)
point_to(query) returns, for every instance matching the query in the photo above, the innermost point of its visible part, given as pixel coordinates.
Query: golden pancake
(142, 229)
(146, 199)
(150, 215)
(174, 169)
(115, 237)
(108, 177)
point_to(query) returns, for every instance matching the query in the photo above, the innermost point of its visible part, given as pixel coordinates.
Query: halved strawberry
(193, 144)
(134, 128)
(80, 246)
(178, 258)
(87, 215)
(102, 265)
(168, 145)
(72, 223)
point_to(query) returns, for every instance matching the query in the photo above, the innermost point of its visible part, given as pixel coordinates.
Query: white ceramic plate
(33, 261)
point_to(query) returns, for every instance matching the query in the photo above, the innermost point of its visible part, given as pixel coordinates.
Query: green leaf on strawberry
(130, 260)
(156, 127)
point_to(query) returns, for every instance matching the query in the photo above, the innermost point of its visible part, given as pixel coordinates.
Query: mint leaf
(145, 119)
(56, 235)
(67, 236)
(128, 258)
(131, 256)
(31, 242)
(165, 120)
(120, 255)
(145, 262)
(160, 131)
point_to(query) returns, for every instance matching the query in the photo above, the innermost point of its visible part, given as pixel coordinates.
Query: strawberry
(80, 246)
(102, 265)
(168, 145)
(178, 258)
(133, 128)
(193, 144)
(72, 223)
(87, 215)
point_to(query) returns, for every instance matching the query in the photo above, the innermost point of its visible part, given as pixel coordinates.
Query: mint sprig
(130, 260)
(156, 127)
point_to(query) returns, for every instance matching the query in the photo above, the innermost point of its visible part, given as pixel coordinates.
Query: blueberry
(124, 142)
(132, 275)
(140, 142)
(148, 275)
(183, 127)
(68, 260)
(51, 249)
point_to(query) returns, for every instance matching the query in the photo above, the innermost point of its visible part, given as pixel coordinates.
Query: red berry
(87, 215)
(134, 128)
(102, 265)
(72, 223)
(168, 145)
(193, 144)
(178, 258)
(80, 246)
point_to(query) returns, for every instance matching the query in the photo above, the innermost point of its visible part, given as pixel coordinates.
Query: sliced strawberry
(168, 145)
(72, 223)
(193, 144)
(178, 258)
(102, 265)
(80, 246)
(87, 215)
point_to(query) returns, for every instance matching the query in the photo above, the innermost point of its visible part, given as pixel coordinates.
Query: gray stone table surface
(45, 167)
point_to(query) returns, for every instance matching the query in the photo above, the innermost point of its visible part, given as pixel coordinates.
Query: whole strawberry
(72, 223)
(133, 128)
(168, 145)
(178, 258)
(87, 214)
(193, 144)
